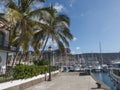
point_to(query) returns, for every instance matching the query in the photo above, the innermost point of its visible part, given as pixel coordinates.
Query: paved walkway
(67, 81)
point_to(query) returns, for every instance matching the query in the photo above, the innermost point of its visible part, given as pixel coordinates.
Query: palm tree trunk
(21, 58)
(40, 57)
(14, 59)
(26, 59)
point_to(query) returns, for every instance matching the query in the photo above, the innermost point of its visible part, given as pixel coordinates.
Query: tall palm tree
(58, 30)
(24, 20)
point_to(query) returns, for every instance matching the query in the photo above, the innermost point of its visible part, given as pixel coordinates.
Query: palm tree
(2, 17)
(58, 31)
(35, 26)
(24, 21)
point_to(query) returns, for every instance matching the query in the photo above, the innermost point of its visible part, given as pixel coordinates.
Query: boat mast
(101, 58)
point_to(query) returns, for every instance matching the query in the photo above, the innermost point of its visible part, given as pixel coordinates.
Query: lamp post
(49, 49)
(53, 58)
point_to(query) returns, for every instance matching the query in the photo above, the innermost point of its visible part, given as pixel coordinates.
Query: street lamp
(53, 58)
(49, 49)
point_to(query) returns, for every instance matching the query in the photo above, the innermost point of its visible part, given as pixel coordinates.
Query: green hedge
(25, 71)
(41, 62)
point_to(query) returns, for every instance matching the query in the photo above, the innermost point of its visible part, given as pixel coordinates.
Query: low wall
(103, 85)
(23, 84)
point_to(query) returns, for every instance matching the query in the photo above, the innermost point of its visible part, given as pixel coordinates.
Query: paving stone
(67, 81)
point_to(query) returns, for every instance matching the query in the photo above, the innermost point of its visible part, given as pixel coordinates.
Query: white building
(4, 47)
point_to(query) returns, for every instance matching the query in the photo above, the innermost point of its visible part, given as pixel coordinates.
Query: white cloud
(51, 43)
(71, 2)
(73, 52)
(74, 38)
(78, 48)
(59, 7)
(39, 5)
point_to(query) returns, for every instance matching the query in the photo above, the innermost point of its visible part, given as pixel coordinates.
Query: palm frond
(62, 18)
(64, 40)
(60, 45)
(66, 32)
(41, 14)
(13, 15)
(3, 19)
(12, 4)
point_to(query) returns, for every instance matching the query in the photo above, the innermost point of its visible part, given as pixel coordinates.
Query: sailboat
(104, 67)
(98, 67)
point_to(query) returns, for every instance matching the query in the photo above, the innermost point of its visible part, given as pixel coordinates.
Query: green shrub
(41, 62)
(25, 71)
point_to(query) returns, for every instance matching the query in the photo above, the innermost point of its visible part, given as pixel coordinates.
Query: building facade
(5, 47)
(67, 59)
(57, 57)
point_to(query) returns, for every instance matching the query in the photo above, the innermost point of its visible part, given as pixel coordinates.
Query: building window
(1, 38)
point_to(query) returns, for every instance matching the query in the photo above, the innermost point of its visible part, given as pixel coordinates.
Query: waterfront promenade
(67, 81)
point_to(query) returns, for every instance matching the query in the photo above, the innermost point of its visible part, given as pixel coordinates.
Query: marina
(110, 76)
(106, 79)
(59, 44)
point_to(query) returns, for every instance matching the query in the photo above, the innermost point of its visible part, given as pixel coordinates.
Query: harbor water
(105, 77)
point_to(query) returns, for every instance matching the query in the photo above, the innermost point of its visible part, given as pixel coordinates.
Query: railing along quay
(115, 77)
(103, 85)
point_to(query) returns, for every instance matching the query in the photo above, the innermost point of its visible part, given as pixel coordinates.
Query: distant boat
(71, 68)
(98, 68)
(104, 66)
(77, 68)
(83, 71)
(116, 64)
(65, 69)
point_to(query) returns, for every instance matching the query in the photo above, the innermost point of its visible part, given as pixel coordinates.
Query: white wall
(3, 56)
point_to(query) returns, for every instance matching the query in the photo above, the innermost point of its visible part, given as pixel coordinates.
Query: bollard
(98, 85)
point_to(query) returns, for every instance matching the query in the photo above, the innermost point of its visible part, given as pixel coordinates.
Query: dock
(68, 81)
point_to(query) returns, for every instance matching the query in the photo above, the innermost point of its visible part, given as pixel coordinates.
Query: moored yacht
(98, 68)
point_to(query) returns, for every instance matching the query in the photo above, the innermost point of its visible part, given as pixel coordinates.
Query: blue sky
(92, 21)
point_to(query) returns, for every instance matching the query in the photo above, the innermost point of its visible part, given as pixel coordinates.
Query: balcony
(7, 47)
